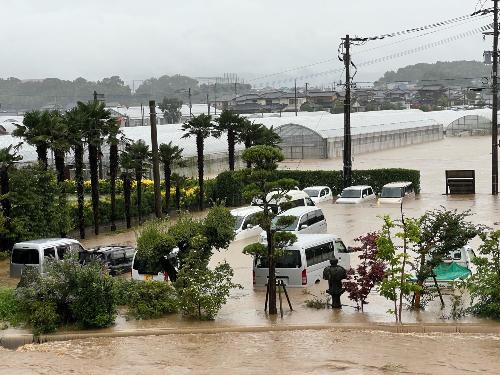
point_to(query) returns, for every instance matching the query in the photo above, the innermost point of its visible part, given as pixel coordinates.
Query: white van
(34, 253)
(302, 263)
(319, 194)
(164, 270)
(244, 227)
(356, 194)
(308, 220)
(293, 198)
(395, 192)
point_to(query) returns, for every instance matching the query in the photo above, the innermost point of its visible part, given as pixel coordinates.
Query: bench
(460, 182)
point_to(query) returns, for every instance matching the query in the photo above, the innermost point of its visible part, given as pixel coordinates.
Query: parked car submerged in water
(116, 258)
(396, 192)
(356, 194)
(244, 226)
(319, 194)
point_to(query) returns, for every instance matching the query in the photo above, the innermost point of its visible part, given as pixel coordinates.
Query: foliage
(396, 282)
(317, 302)
(263, 157)
(68, 293)
(369, 272)
(202, 291)
(38, 209)
(149, 300)
(171, 108)
(9, 307)
(484, 285)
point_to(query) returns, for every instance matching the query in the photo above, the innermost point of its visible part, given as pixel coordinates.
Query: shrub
(4, 255)
(9, 307)
(149, 300)
(43, 317)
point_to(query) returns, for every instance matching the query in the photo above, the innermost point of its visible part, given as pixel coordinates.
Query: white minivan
(244, 226)
(307, 220)
(293, 198)
(302, 263)
(319, 194)
(356, 194)
(395, 192)
(34, 253)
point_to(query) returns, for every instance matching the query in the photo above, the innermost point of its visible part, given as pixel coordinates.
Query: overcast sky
(139, 39)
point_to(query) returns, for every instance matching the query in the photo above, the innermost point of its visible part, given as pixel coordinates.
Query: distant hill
(452, 73)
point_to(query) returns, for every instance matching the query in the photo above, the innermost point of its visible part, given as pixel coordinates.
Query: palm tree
(8, 157)
(97, 123)
(35, 131)
(113, 140)
(169, 154)
(58, 142)
(200, 127)
(178, 181)
(75, 121)
(127, 166)
(231, 123)
(141, 160)
(249, 135)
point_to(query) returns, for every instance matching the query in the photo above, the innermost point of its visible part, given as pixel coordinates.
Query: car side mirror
(338, 195)
(303, 226)
(249, 226)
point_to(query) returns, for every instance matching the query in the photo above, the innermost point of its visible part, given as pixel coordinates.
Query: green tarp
(451, 271)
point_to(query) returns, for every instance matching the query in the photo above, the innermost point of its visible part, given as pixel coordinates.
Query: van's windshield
(289, 259)
(392, 192)
(351, 193)
(312, 192)
(238, 220)
(25, 256)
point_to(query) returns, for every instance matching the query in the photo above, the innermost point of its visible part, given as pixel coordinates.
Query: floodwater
(326, 351)
(291, 352)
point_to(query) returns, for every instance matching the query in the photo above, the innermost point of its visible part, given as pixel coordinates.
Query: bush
(4, 255)
(43, 317)
(149, 300)
(9, 307)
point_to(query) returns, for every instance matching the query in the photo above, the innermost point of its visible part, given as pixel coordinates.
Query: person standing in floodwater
(335, 274)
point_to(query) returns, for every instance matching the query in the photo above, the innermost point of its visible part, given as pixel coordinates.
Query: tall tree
(35, 130)
(75, 121)
(127, 166)
(201, 128)
(253, 134)
(113, 141)
(8, 157)
(230, 123)
(169, 154)
(267, 189)
(171, 108)
(141, 160)
(97, 122)
(58, 140)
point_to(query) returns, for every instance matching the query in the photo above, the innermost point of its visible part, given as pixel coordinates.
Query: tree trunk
(59, 161)
(199, 148)
(248, 144)
(94, 181)
(126, 197)
(230, 148)
(79, 188)
(113, 169)
(138, 180)
(178, 196)
(272, 275)
(41, 151)
(4, 186)
(168, 174)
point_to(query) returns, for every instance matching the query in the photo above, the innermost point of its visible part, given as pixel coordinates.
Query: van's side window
(309, 202)
(319, 254)
(49, 253)
(25, 256)
(61, 251)
(370, 191)
(304, 221)
(312, 218)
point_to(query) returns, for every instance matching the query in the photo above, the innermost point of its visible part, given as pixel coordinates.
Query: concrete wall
(377, 141)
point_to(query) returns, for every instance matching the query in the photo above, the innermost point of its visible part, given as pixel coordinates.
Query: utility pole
(156, 161)
(190, 104)
(215, 97)
(208, 105)
(295, 97)
(494, 119)
(307, 84)
(347, 170)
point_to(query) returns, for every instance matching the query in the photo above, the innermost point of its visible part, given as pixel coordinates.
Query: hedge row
(227, 186)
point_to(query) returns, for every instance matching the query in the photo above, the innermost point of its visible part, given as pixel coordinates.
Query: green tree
(253, 134)
(141, 161)
(113, 141)
(127, 166)
(201, 128)
(169, 154)
(35, 130)
(57, 139)
(266, 189)
(484, 285)
(171, 108)
(230, 123)
(397, 281)
(8, 158)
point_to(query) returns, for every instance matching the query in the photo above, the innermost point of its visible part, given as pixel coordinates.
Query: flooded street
(326, 351)
(293, 352)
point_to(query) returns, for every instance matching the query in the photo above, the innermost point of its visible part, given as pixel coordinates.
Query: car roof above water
(308, 240)
(47, 241)
(299, 211)
(358, 187)
(243, 211)
(398, 184)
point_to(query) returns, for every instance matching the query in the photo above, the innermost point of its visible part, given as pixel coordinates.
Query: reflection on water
(291, 352)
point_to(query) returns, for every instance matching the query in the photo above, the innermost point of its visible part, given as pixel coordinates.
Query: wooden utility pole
(347, 170)
(295, 97)
(494, 118)
(190, 104)
(156, 161)
(208, 105)
(215, 97)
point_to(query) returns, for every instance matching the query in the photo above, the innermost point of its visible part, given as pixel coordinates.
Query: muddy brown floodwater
(292, 352)
(304, 351)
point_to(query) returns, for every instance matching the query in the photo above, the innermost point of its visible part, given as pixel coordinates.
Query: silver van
(34, 253)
